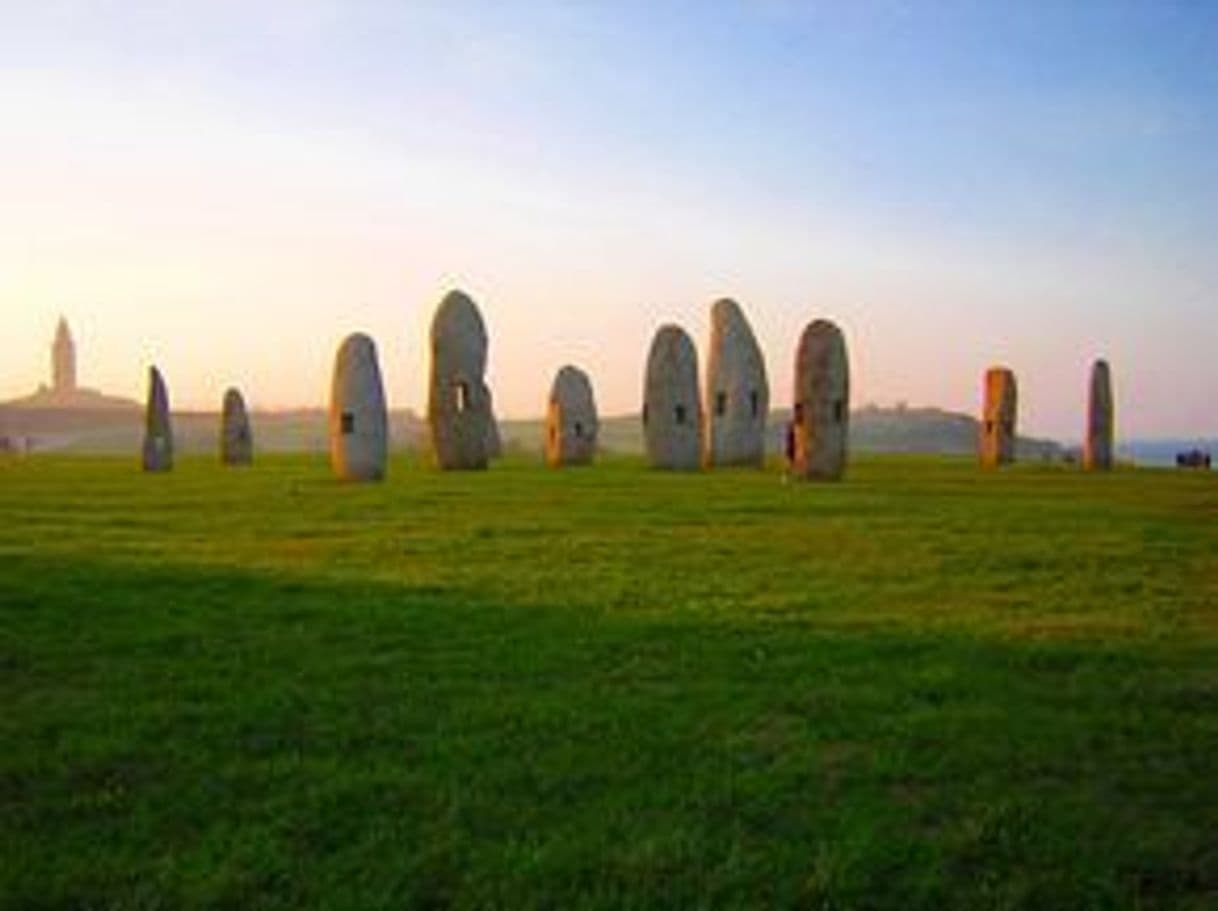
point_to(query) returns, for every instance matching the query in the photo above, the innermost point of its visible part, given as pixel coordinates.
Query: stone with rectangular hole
(464, 435)
(672, 412)
(737, 390)
(359, 421)
(572, 425)
(821, 404)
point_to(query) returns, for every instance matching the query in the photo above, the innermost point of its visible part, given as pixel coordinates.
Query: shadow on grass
(179, 737)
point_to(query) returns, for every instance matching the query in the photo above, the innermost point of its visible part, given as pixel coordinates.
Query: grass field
(923, 688)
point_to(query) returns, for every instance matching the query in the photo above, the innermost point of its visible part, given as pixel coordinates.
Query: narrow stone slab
(572, 424)
(998, 417)
(672, 412)
(1097, 446)
(158, 427)
(737, 390)
(359, 423)
(236, 438)
(464, 434)
(821, 404)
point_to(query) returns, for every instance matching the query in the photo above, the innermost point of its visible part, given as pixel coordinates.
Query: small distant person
(788, 451)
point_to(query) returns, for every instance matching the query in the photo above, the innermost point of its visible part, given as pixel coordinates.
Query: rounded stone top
(822, 347)
(1101, 381)
(729, 322)
(158, 397)
(671, 340)
(233, 399)
(571, 385)
(1000, 376)
(1000, 389)
(725, 309)
(822, 331)
(733, 347)
(156, 382)
(1101, 377)
(458, 315)
(357, 347)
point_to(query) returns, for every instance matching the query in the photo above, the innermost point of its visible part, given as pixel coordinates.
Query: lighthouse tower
(63, 360)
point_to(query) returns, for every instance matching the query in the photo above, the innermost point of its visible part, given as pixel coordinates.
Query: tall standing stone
(236, 438)
(737, 390)
(158, 428)
(821, 403)
(463, 430)
(571, 420)
(1097, 447)
(672, 413)
(998, 418)
(359, 423)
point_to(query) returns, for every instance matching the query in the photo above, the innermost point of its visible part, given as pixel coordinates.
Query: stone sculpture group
(1000, 406)
(685, 427)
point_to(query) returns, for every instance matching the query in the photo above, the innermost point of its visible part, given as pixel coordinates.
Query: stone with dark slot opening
(737, 390)
(672, 413)
(359, 422)
(821, 404)
(572, 425)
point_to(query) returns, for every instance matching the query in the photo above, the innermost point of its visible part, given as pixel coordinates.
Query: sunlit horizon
(227, 193)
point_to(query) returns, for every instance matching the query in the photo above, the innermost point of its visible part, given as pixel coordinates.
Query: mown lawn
(926, 687)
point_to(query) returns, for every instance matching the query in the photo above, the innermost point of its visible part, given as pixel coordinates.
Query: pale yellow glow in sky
(229, 251)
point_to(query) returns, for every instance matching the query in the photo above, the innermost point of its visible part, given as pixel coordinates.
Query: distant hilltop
(900, 429)
(117, 430)
(78, 399)
(64, 393)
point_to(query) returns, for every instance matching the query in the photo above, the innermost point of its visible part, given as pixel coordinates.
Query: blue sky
(956, 183)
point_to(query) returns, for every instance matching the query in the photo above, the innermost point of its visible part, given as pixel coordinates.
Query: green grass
(923, 688)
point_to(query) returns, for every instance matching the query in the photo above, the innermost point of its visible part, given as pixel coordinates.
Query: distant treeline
(872, 429)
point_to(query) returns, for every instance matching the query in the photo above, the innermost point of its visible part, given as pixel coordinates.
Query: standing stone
(236, 440)
(571, 421)
(1097, 447)
(998, 418)
(821, 410)
(463, 430)
(672, 413)
(737, 390)
(158, 429)
(359, 424)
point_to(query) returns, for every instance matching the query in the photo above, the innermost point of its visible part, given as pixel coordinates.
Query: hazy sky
(228, 188)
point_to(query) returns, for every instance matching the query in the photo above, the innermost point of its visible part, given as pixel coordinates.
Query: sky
(227, 189)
